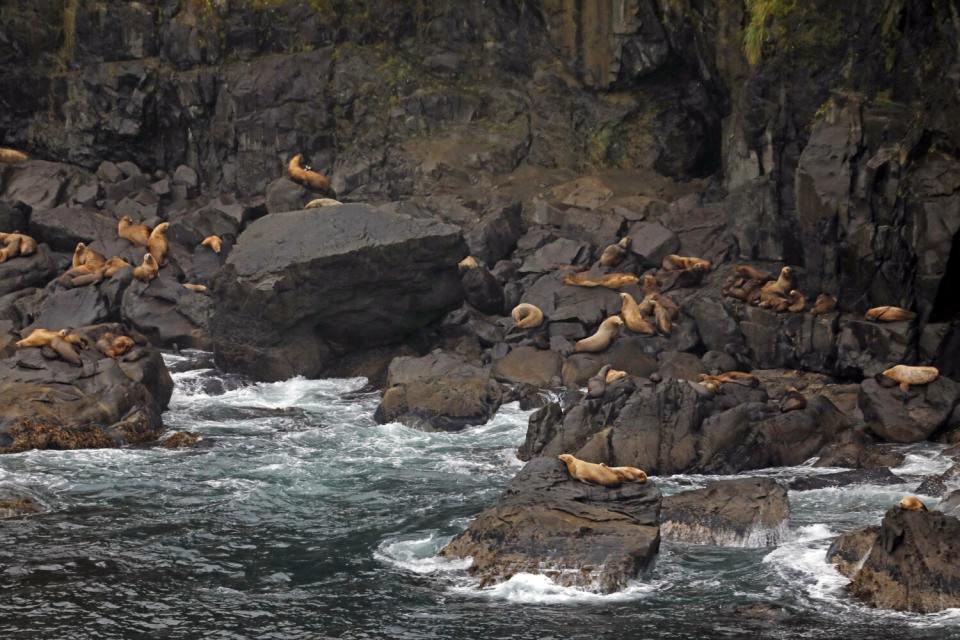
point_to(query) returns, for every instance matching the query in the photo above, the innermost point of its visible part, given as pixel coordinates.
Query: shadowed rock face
(577, 534)
(300, 286)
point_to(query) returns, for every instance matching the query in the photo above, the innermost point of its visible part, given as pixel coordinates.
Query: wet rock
(542, 428)
(950, 505)
(845, 478)
(849, 549)
(859, 453)
(745, 512)
(528, 365)
(940, 485)
(13, 506)
(577, 534)
(895, 416)
(438, 392)
(180, 440)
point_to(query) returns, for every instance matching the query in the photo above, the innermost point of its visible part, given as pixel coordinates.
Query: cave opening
(946, 306)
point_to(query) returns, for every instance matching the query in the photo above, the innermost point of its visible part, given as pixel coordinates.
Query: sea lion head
(567, 459)
(162, 227)
(786, 273)
(912, 503)
(126, 220)
(615, 321)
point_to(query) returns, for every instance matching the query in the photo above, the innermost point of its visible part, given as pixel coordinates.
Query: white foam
(419, 555)
(529, 588)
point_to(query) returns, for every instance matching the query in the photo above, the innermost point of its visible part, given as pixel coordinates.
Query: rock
(849, 549)
(527, 365)
(438, 392)
(45, 185)
(13, 218)
(651, 242)
(283, 194)
(894, 416)
(495, 234)
(555, 254)
(15, 506)
(950, 505)
(63, 227)
(859, 454)
(52, 404)
(23, 272)
(911, 566)
(941, 484)
(299, 285)
(577, 534)
(745, 512)
(169, 313)
(868, 348)
(684, 366)
(482, 290)
(625, 354)
(845, 478)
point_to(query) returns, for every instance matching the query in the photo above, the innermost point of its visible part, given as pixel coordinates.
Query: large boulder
(577, 534)
(745, 512)
(27, 271)
(48, 403)
(301, 287)
(895, 416)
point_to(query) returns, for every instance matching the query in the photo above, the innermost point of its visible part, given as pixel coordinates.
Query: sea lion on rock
(306, 176)
(199, 288)
(628, 474)
(773, 293)
(662, 316)
(60, 341)
(527, 316)
(796, 302)
(147, 270)
(16, 244)
(613, 254)
(792, 400)
(114, 346)
(468, 263)
(824, 304)
(214, 243)
(600, 340)
(157, 245)
(613, 375)
(733, 377)
(633, 318)
(84, 256)
(906, 375)
(597, 384)
(113, 265)
(674, 262)
(667, 303)
(590, 473)
(136, 234)
(12, 156)
(610, 280)
(912, 503)
(649, 284)
(889, 314)
(751, 273)
(322, 202)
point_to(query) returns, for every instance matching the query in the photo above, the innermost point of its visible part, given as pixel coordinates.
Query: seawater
(299, 517)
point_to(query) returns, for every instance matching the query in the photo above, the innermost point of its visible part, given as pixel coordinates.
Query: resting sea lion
(590, 473)
(613, 254)
(610, 280)
(662, 316)
(751, 273)
(136, 234)
(674, 262)
(628, 474)
(825, 304)
(906, 375)
(710, 387)
(649, 284)
(16, 244)
(889, 314)
(214, 243)
(199, 288)
(796, 302)
(60, 341)
(147, 270)
(157, 245)
(114, 346)
(912, 503)
(306, 176)
(792, 400)
(773, 293)
(667, 303)
(468, 263)
(633, 318)
(527, 316)
(597, 384)
(84, 256)
(322, 202)
(613, 375)
(113, 265)
(600, 340)
(12, 156)
(734, 377)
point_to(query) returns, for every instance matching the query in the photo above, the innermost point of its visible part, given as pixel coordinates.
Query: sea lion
(597, 384)
(600, 340)
(792, 400)
(889, 314)
(674, 262)
(468, 263)
(710, 387)
(633, 318)
(751, 273)
(796, 303)
(114, 346)
(613, 254)
(907, 375)
(628, 474)
(912, 503)
(214, 243)
(610, 280)
(527, 316)
(613, 375)
(734, 377)
(11, 247)
(824, 304)
(60, 341)
(157, 245)
(136, 234)
(12, 156)
(649, 284)
(589, 472)
(322, 202)
(147, 270)
(662, 316)
(84, 256)
(667, 303)
(772, 294)
(40, 337)
(113, 265)
(306, 176)
(199, 288)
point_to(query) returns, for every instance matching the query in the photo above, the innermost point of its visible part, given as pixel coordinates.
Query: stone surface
(895, 416)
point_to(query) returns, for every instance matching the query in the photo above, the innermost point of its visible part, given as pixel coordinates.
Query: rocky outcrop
(301, 288)
(843, 478)
(745, 512)
(577, 534)
(895, 416)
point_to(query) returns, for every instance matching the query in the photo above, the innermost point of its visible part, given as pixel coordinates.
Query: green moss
(764, 26)
(599, 143)
(69, 47)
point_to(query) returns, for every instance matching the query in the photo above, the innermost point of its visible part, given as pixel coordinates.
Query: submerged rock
(844, 478)
(577, 534)
(745, 512)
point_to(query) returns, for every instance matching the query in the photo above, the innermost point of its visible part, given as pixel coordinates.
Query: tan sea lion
(113, 265)
(136, 234)
(889, 314)
(322, 202)
(649, 284)
(600, 340)
(610, 280)
(147, 270)
(114, 346)
(674, 262)
(84, 256)
(796, 302)
(667, 303)
(12, 156)
(906, 375)
(633, 318)
(214, 243)
(751, 273)
(57, 340)
(613, 254)
(613, 375)
(157, 245)
(792, 400)
(589, 472)
(662, 316)
(199, 288)
(774, 293)
(912, 503)
(468, 263)
(628, 474)
(11, 247)
(306, 176)
(734, 377)
(824, 304)
(527, 316)
(40, 337)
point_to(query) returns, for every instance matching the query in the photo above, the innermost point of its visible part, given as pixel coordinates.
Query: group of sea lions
(64, 343)
(16, 244)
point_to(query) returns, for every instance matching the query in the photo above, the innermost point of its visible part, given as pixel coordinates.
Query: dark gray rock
(482, 290)
(941, 484)
(651, 242)
(23, 272)
(895, 416)
(283, 194)
(63, 227)
(845, 478)
(528, 365)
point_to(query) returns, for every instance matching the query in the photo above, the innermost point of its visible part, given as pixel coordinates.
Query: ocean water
(298, 517)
